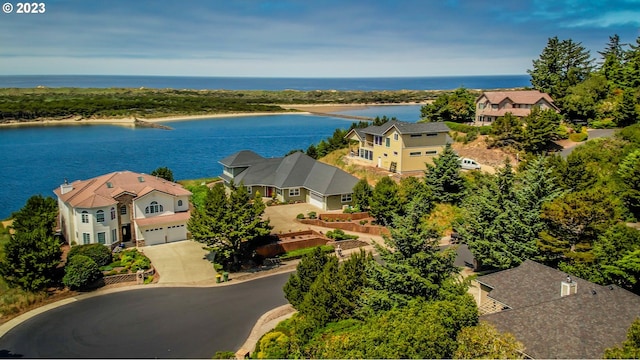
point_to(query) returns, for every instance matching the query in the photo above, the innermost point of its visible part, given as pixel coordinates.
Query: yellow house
(400, 146)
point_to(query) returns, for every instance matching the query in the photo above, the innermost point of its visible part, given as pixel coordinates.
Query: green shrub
(363, 222)
(300, 216)
(296, 254)
(338, 234)
(141, 263)
(273, 345)
(148, 279)
(312, 215)
(578, 137)
(80, 272)
(99, 253)
(106, 268)
(603, 124)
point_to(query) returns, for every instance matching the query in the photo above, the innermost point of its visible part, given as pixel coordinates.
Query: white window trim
(346, 198)
(84, 217)
(415, 153)
(100, 216)
(104, 237)
(294, 192)
(86, 239)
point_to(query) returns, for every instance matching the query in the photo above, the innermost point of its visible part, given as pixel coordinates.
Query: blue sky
(306, 38)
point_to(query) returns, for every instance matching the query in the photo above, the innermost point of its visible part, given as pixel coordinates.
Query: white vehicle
(469, 164)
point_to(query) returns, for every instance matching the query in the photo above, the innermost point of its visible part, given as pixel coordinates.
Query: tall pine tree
(443, 177)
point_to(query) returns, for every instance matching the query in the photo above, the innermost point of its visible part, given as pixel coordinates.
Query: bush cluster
(80, 272)
(338, 234)
(97, 252)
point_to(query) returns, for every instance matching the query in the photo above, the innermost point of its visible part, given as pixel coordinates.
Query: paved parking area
(283, 217)
(180, 262)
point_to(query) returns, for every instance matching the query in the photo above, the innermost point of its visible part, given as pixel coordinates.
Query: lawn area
(198, 188)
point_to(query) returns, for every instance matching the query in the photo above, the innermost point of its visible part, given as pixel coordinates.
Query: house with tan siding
(399, 146)
(491, 105)
(123, 206)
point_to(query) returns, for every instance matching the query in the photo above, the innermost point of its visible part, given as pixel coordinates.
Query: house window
(86, 238)
(395, 153)
(153, 208)
(395, 136)
(249, 190)
(416, 135)
(415, 153)
(123, 210)
(102, 238)
(431, 152)
(294, 192)
(432, 134)
(494, 106)
(113, 213)
(377, 140)
(345, 198)
(180, 201)
(385, 154)
(388, 142)
(85, 217)
(99, 216)
(114, 236)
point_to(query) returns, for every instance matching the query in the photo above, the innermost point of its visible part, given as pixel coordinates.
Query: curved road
(149, 323)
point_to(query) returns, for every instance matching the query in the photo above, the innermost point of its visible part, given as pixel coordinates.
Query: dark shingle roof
(298, 170)
(581, 325)
(407, 128)
(514, 287)
(241, 158)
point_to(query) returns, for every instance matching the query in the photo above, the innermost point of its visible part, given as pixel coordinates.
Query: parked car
(469, 164)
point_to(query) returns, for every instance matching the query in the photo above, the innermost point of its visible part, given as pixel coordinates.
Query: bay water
(37, 159)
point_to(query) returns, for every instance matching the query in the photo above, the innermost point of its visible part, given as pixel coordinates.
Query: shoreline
(295, 109)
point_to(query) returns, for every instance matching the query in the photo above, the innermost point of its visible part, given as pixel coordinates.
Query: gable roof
(298, 170)
(581, 325)
(241, 158)
(102, 190)
(406, 128)
(527, 97)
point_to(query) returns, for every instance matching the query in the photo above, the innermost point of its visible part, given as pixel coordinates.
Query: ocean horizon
(484, 82)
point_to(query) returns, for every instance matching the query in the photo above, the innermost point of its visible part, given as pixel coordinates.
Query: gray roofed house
(399, 146)
(555, 315)
(294, 178)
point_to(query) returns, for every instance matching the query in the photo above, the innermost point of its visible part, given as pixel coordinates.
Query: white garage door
(154, 236)
(176, 233)
(316, 200)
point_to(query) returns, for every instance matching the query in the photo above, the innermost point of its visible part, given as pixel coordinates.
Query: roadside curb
(265, 323)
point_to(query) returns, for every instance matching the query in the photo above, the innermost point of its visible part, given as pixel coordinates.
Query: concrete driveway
(180, 262)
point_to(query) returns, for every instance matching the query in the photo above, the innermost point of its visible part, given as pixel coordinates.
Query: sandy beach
(302, 109)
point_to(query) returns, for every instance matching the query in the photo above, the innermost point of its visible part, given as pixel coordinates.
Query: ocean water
(252, 83)
(36, 160)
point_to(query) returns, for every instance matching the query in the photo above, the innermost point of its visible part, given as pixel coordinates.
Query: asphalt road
(148, 323)
(593, 134)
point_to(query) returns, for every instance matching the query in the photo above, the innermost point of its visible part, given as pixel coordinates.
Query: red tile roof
(101, 191)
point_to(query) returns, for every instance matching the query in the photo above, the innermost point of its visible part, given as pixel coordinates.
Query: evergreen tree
(614, 253)
(631, 68)
(583, 101)
(501, 221)
(458, 106)
(227, 223)
(312, 152)
(443, 177)
(541, 128)
(484, 341)
(627, 113)
(629, 173)
(362, 194)
(412, 265)
(561, 64)
(506, 131)
(613, 61)
(335, 293)
(307, 270)
(384, 201)
(163, 173)
(39, 212)
(30, 259)
(630, 348)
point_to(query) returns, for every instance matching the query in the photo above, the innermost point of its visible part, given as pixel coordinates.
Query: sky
(305, 38)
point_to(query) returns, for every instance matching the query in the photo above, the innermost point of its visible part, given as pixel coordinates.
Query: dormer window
(153, 208)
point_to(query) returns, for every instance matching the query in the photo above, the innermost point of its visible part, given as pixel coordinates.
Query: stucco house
(555, 315)
(491, 105)
(296, 177)
(123, 206)
(400, 146)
